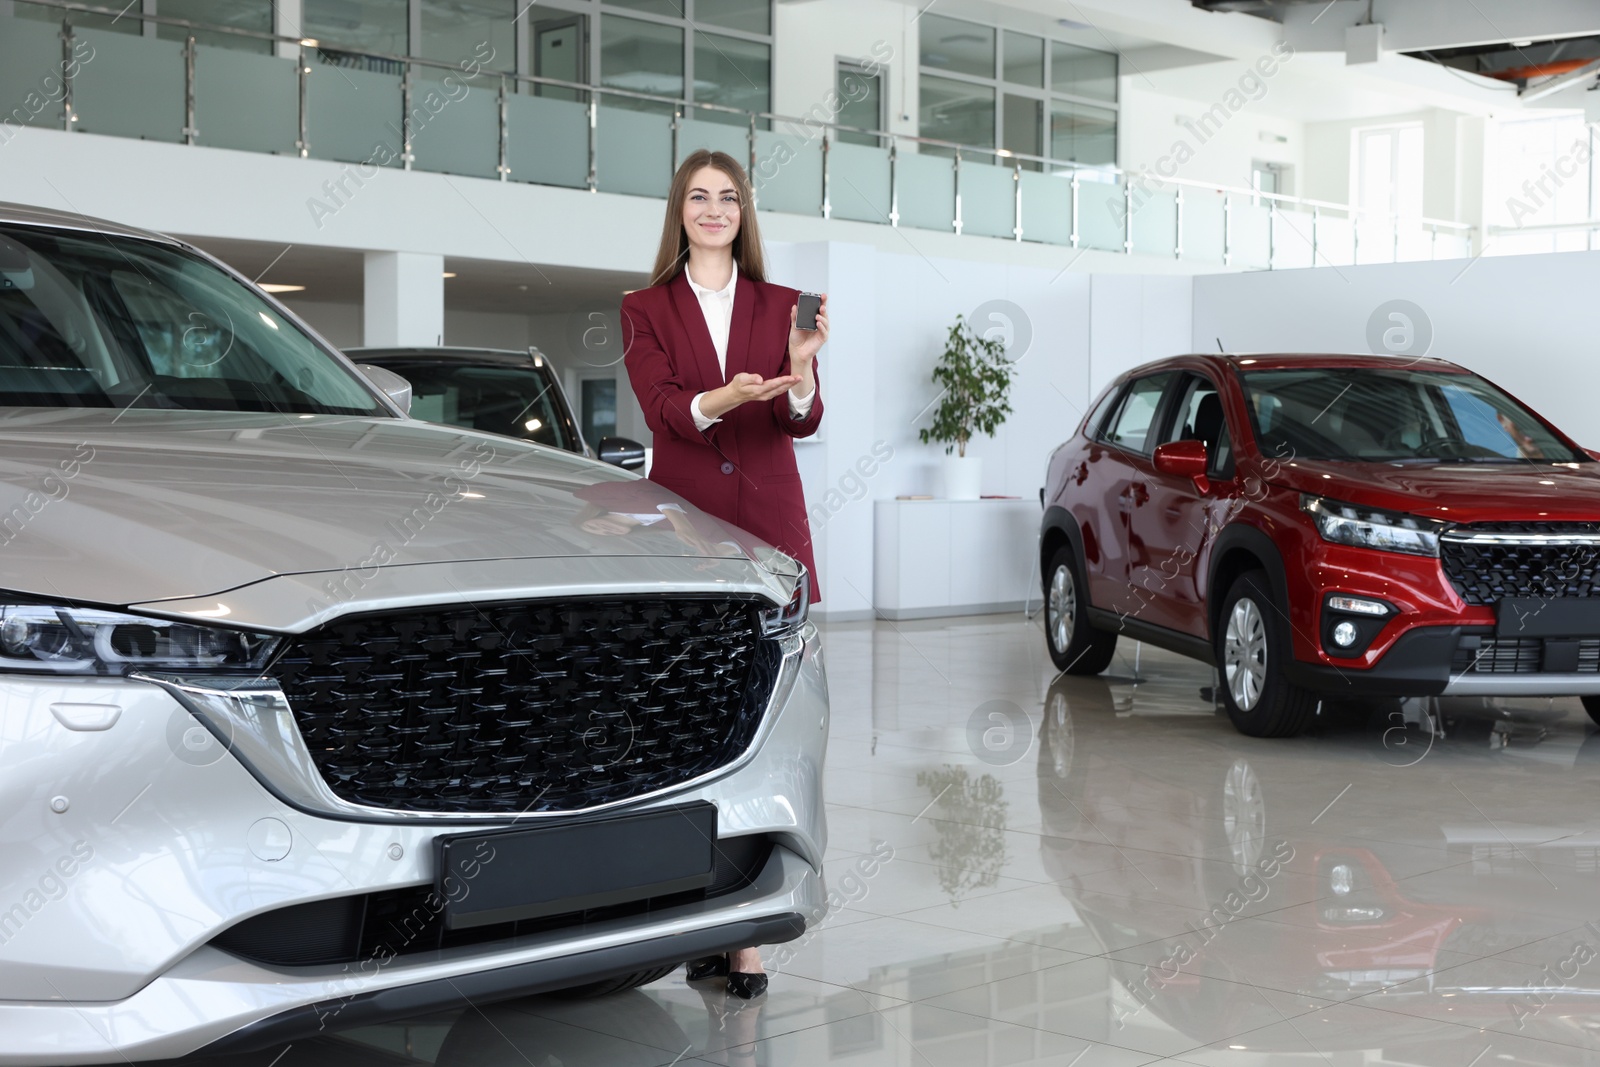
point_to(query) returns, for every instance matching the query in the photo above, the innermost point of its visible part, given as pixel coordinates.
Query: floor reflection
(1029, 869)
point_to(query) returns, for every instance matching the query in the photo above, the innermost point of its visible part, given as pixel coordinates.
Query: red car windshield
(1394, 415)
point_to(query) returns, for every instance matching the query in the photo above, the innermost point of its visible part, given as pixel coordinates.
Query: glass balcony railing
(373, 110)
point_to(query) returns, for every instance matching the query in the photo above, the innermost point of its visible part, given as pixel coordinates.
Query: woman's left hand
(803, 345)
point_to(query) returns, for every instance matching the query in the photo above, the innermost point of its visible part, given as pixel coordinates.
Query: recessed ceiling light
(274, 287)
(1521, 44)
(449, 274)
(310, 42)
(1073, 24)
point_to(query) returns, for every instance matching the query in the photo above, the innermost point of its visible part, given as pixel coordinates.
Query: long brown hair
(674, 251)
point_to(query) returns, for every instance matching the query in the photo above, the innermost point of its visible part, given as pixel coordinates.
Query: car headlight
(1348, 524)
(62, 639)
(789, 619)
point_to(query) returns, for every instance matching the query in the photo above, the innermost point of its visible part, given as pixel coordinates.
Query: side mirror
(1184, 459)
(393, 385)
(622, 452)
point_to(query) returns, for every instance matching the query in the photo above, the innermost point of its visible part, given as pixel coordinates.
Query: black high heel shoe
(742, 984)
(706, 967)
(745, 985)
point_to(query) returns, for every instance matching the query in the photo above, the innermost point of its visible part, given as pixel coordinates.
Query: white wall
(340, 324)
(918, 301)
(1527, 323)
(1135, 319)
(810, 38)
(1152, 127)
(1453, 151)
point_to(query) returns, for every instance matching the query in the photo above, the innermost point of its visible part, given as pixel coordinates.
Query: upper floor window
(358, 25)
(707, 51)
(1004, 89)
(1540, 173)
(1388, 165)
(253, 15)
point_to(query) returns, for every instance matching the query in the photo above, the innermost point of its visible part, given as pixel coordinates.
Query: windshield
(1394, 415)
(519, 402)
(95, 320)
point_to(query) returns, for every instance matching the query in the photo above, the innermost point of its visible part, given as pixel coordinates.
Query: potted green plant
(974, 377)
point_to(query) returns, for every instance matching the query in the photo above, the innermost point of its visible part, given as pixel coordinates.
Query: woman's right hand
(742, 389)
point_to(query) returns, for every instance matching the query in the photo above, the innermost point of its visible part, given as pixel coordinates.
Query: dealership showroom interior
(933, 533)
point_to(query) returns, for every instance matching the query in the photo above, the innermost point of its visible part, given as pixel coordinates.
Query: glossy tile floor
(1101, 871)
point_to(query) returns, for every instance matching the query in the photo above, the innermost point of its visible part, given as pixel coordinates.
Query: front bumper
(127, 842)
(1439, 661)
(1428, 646)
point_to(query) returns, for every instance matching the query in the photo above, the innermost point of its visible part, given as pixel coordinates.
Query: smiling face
(711, 209)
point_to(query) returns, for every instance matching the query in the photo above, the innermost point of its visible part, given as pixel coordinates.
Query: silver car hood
(137, 506)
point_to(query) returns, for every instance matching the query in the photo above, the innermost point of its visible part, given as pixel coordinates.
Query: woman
(727, 382)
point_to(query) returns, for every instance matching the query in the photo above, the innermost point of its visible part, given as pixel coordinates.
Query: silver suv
(313, 714)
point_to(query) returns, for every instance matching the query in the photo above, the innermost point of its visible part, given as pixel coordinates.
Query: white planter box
(954, 557)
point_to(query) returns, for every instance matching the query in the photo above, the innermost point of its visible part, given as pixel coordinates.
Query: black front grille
(398, 922)
(1523, 655)
(528, 705)
(1484, 573)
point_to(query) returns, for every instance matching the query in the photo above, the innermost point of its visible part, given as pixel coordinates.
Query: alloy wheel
(1062, 613)
(1245, 654)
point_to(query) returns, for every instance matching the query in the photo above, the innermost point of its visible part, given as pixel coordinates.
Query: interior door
(558, 47)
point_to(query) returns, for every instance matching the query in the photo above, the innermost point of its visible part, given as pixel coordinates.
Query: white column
(404, 302)
(845, 471)
(288, 17)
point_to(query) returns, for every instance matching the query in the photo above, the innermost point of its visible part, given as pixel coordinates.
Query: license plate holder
(532, 872)
(1555, 617)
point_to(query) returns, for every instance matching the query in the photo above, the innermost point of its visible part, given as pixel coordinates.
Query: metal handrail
(1073, 170)
(1581, 226)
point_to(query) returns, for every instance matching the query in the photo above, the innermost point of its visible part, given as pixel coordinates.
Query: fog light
(1344, 634)
(1358, 605)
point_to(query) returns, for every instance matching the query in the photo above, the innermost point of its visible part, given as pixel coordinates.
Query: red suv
(1326, 527)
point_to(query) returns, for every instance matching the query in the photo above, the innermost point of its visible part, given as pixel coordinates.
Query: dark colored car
(1326, 527)
(499, 391)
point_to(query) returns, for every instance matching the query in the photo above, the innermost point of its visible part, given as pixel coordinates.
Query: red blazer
(742, 469)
